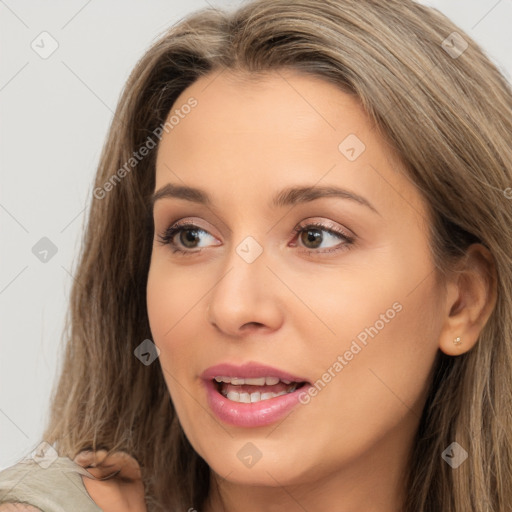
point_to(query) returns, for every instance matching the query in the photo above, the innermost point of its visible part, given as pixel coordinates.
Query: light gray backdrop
(55, 110)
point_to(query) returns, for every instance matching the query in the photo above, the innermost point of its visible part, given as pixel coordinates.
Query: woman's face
(347, 305)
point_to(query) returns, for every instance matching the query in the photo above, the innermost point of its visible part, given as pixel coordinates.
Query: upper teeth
(259, 381)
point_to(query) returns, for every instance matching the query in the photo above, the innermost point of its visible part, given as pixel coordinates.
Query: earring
(457, 340)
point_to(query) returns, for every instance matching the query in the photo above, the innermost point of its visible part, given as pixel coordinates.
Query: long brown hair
(447, 112)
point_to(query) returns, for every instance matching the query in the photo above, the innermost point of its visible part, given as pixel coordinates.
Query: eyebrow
(287, 197)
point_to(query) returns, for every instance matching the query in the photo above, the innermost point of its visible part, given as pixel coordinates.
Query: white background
(53, 121)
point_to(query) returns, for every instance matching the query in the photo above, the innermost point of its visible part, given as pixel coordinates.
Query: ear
(471, 294)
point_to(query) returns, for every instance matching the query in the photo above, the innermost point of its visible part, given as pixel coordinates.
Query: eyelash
(167, 236)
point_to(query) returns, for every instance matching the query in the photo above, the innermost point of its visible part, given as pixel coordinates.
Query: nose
(246, 298)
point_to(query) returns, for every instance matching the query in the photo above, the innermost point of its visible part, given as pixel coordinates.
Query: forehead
(272, 110)
(284, 103)
(276, 129)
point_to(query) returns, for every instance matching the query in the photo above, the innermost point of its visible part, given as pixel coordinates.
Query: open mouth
(252, 390)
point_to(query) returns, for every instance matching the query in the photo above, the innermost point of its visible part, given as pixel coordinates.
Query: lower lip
(257, 414)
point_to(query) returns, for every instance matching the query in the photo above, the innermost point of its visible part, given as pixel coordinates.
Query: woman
(340, 336)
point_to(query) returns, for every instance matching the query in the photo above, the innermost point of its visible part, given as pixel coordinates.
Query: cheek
(167, 313)
(173, 304)
(376, 392)
(382, 387)
(172, 295)
(372, 368)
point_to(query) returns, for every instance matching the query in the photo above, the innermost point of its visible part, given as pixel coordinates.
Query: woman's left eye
(190, 234)
(311, 233)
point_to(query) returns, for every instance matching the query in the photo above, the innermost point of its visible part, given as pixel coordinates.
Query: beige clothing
(57, 488)
(112, 483)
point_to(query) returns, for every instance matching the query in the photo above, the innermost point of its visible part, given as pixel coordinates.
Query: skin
(346, 449)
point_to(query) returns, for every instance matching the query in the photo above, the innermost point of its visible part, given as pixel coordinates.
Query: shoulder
(18, 507)
(91, 482)
(45, 484)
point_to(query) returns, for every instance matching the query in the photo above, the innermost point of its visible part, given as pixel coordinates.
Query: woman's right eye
(191, 236)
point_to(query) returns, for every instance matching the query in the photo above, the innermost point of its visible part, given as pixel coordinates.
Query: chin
(261, 463)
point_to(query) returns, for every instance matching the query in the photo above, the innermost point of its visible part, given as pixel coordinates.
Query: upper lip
(249, 370)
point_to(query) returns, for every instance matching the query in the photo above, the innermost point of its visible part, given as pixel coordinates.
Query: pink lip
(248, 370)
(256, 414)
